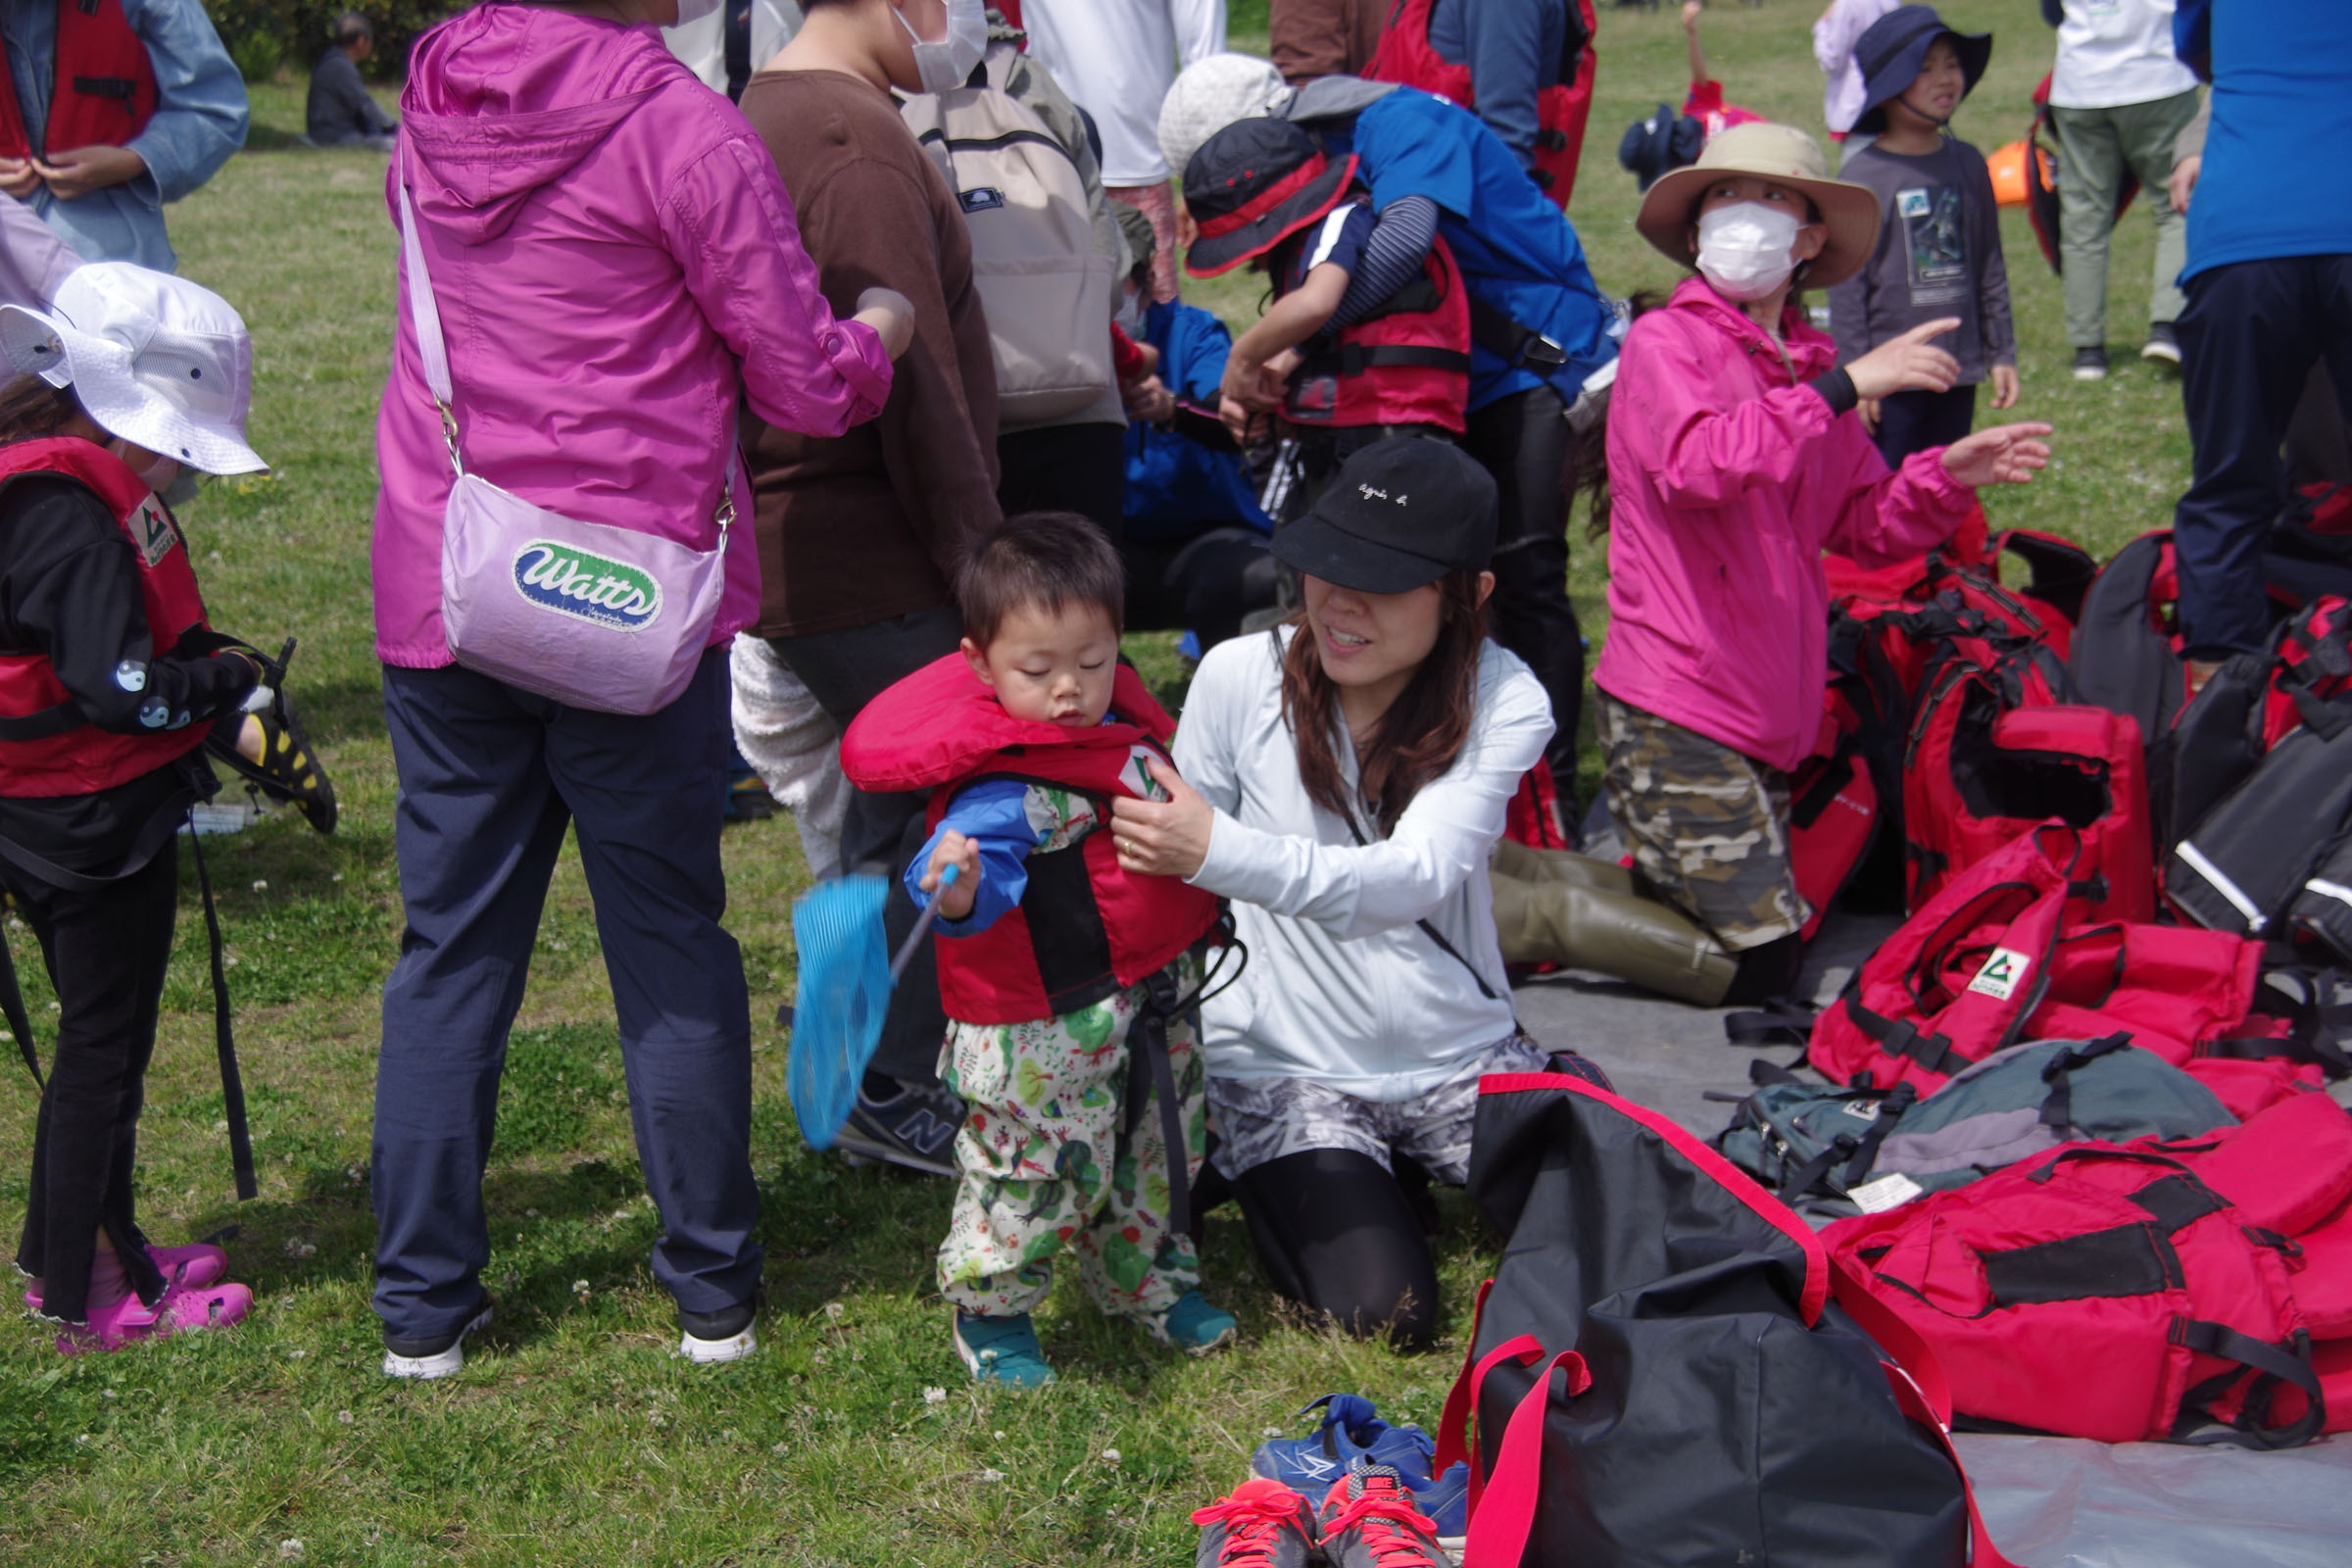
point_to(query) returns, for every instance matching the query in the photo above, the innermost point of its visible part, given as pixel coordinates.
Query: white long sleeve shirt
(1342, 985)
(1118, 58)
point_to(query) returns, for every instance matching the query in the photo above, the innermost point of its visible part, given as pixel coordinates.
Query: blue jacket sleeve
(201, 112)
(994, 815)
(1509, 64)
(2192, 37)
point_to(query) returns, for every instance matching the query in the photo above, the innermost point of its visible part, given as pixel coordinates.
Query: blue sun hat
(1890, 52)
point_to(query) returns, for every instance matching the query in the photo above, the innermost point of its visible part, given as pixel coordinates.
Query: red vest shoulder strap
(941, 724)
(105, 90)
(73, 457)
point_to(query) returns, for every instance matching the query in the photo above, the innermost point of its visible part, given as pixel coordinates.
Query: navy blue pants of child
(490, 777)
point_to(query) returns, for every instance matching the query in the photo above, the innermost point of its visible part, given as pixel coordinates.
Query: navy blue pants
(2248, 340)
(1914, 422)
(489, 778)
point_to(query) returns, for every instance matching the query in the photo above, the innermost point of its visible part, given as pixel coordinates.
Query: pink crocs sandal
(195, 1265)
(180, 1311)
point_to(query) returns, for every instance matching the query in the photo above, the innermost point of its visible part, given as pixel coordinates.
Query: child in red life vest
(1068, 983)
(109, 682)
(1369, 333)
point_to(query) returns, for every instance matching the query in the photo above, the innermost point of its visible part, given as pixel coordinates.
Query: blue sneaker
(1352, 1432)
(1003, 1350)
(1193, 1326)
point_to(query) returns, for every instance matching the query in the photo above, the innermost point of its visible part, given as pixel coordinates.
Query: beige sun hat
(1786, 156)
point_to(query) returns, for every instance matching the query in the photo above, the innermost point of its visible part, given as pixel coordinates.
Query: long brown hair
(1420, 735)
(30, 407)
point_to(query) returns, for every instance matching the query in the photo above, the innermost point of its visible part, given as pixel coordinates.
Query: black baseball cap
(1254, 184)
(1402, 513)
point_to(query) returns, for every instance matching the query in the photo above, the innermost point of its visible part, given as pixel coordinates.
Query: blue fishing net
(844, 992)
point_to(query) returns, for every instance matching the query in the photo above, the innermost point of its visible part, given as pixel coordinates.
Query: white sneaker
(441, 1356)
(726, 1336)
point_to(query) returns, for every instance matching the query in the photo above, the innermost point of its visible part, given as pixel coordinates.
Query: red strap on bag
(1896, 1338)
(1501, 1522)
(1982, 1552)
(1522, 1349)
(1454, 1425)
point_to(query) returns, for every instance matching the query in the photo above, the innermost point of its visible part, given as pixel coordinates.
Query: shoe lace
(1253, 1528)
(1379, 1506)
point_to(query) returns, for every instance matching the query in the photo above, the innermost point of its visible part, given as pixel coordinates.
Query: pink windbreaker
(1728, 478)
(614, 258)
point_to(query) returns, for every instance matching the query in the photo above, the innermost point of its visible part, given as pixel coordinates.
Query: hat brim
(1211, 255)
(1974, 50)
(1317, 547)
(99, 370)
(1849, 213)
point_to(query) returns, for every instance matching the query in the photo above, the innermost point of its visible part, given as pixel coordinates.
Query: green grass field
(572, 1437)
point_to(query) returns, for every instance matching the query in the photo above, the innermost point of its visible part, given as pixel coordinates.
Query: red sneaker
(1261, 1524)
(1369, 1521)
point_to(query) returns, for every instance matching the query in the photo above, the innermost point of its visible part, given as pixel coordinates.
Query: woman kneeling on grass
(110, 681)
(1735, 458)
(1344, 782)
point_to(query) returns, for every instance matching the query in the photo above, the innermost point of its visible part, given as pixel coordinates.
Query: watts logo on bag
(573, 582)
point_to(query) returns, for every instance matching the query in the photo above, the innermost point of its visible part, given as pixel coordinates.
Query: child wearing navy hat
(1938, 250)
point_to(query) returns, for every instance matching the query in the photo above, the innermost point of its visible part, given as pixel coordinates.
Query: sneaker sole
(2161, 353)
(717, 1353)
(854, 1148)
(2090, 375)
(440, 1365)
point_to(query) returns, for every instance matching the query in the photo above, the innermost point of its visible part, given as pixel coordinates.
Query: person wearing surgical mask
(858, 536)
(1735, 457)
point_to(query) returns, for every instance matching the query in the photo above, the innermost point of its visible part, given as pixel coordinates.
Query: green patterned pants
(1048, 1162)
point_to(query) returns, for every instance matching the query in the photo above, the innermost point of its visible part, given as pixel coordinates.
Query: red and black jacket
(1405, 363)
(1406, 56)
(1086, 927)
(48, 744)
(104, 90)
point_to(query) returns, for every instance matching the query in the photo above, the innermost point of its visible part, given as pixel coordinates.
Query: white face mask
(947, 63)
(1744, 249)
(691, 12)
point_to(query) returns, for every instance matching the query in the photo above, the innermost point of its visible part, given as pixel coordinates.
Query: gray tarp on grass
(2050, 1503)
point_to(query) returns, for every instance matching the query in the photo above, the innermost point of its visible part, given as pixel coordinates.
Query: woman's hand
(2005, 386)
(889, 312)
(19, 179)
(954, 850)
(1162, 838)
(1907, 363)
(2006, 454)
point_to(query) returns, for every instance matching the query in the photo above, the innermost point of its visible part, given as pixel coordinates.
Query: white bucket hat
(1210, 94)
(156, 360)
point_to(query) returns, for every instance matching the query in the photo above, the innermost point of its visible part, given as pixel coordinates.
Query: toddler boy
(1069, 985)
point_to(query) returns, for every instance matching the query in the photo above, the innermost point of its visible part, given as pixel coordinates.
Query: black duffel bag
(1659, 1377)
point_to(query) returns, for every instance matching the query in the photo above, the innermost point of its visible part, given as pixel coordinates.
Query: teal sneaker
(1001, 1349)
(1193, 1326)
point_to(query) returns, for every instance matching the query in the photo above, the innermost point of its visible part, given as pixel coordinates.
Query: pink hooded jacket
(614, 258)
(1728, 478)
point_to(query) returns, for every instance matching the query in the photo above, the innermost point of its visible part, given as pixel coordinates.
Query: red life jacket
(1992, 753)
(105, 84)
(1992, 961)
(1407, 362)
(46, 748)
(2137, 1291)
(1085, 928)
(1406, 56)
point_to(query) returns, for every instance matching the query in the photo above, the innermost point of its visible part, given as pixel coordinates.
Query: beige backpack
(1045, 287)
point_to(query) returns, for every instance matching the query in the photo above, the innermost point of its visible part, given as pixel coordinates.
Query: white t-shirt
(1118, 59)
(1342, 986)
(2117, 52)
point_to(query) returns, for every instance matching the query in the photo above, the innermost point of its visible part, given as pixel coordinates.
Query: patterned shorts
(1262, 1119)
(1708, 827)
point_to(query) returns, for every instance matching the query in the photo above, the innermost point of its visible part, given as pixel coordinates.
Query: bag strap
(1435, 935)
(1505, 1519)
(1454, 1445)
(19, 1022)
(1982, 1552)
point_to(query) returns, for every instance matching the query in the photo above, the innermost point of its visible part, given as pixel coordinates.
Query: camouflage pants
(1047, 1163)
(1708, 827)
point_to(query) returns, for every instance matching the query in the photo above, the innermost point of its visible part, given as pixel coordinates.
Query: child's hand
(1236, 419)
(2005, 386)
(891, 315)
(1691, 11)
(954, 850)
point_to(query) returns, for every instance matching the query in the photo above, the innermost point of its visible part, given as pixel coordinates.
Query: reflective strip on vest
(2194, 858)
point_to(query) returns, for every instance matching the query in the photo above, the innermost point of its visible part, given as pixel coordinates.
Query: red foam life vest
(1991, 961)
(1992, 754)
(77, 758)
(1085, 928)
(2137, 1291)
(1406, 56)
(1407, 362)
(105, 84)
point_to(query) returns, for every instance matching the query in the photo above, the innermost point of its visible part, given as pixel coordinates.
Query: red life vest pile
(2067, 879)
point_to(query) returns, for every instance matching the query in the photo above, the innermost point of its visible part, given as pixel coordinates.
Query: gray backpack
(1043, 284)
(1839, 1152)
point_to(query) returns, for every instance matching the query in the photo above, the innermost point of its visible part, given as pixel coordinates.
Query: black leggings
(1338, 1233)
(106, 952)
